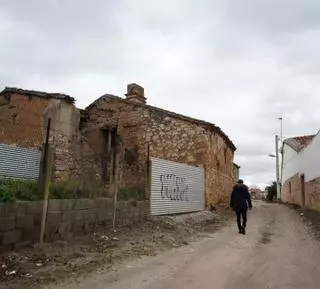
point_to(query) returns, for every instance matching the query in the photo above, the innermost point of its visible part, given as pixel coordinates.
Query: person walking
(239, 202)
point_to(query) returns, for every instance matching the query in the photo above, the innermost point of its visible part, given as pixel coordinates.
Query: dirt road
(277, 252)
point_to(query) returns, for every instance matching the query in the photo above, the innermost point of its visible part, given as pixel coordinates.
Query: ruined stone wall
(21, 121)
(128, 117)
(143, 129)
(181, 140)
(73, 159)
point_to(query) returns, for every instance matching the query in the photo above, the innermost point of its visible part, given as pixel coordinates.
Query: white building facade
(301, 171)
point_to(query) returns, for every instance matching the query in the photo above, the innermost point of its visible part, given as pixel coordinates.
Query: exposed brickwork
(313, 194)
(21, 121)
(21, 116)
(291, 190)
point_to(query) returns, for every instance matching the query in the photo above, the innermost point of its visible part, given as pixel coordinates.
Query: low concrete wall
(20, 222)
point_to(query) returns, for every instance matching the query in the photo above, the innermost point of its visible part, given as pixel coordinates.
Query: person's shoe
(243, 231)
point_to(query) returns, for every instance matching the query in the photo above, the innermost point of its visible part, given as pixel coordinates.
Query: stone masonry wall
(20, 222)
(128, 117)
(168, 137)
(73, 159)
(184, 141)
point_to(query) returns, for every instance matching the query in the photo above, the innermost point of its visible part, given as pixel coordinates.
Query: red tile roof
(299, 142)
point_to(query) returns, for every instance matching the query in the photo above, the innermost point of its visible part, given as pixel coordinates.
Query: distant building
(236, 172)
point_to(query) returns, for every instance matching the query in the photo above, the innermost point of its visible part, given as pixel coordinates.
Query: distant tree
(271, 191)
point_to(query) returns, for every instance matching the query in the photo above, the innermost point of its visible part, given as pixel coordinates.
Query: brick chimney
(135, 93)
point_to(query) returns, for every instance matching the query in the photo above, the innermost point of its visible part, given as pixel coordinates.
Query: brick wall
(291, 190)
(293, 195)
(20, 222)
(313, 194)
(21, 121)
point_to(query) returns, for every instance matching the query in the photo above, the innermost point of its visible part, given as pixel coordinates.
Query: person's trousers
(241, 218)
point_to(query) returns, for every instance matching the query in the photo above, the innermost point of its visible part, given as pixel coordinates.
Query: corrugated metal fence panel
(176, 188)
(19, 163)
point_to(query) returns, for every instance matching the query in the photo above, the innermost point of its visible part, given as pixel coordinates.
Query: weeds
(12, 190)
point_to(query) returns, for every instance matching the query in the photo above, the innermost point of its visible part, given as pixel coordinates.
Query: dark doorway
(109, 148)
(303, 192)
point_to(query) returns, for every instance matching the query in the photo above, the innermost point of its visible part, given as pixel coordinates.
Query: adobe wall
(21, 121)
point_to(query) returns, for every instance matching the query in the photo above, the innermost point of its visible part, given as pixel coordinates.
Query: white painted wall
(305, 162)
(291, 163)
(310, 156)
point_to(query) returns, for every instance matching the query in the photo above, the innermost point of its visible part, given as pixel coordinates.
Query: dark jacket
(240, 197)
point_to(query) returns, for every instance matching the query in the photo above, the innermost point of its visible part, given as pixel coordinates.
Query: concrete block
(34, 207)
(37, 220)
(21, 208)
(5, 248)
(58, 205)
(54, 219)
(22, 244)
(7, 223)
(101, 215)
(26, 221)
(10, 209)
(102, 202)
(65, 231)
(11, 237)
(82, 204)
(2, 209)
(32, 234)
(78, 227)
(69, 216)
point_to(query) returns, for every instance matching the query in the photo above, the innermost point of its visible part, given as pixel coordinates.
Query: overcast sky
(238, 64)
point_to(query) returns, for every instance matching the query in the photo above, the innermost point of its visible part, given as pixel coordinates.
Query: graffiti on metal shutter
(174, 188)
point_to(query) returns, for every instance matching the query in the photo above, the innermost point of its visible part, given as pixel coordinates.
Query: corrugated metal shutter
(176, 188)
(19, 163)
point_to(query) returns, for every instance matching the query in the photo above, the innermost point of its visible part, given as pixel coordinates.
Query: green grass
(12, 190)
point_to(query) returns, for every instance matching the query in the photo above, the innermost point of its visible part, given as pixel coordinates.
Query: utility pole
(281, 166)
(277, 166)
(281, 128)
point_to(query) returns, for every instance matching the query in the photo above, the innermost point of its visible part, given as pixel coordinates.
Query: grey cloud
(238, 64)
(273, 17)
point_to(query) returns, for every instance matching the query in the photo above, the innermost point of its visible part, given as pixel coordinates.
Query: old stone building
(24, 117)
(88, 144)
(143, 131)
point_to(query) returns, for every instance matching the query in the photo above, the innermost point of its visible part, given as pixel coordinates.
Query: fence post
(44, 155)
(46, 190)
(148, 175)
